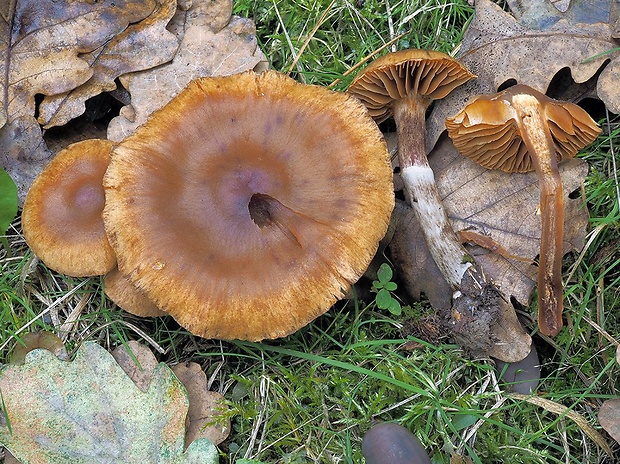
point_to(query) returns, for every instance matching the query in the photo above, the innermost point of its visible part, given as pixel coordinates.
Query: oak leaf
(142, 45)
(138, 362)
(206, 407)
(89, 410)
(500, 211)
(212, 43)
(609, 417)
(204, 417)
(42, 53)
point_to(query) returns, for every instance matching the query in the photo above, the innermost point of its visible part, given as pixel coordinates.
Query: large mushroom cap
(61, 218)
(398, 75)
(249, 204)
(486, 130)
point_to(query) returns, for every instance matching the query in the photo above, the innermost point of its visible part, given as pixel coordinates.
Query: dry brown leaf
(204, 406)
(531, 46)
(212, 44)
(140, 372)
(503, 207)
(609, 417)
(34, 340)
(43, 42)
(23, 152)
(607, 86)
(142, 45)
(42, 52)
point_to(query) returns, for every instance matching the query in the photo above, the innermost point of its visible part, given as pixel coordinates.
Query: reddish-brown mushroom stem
(537, 137)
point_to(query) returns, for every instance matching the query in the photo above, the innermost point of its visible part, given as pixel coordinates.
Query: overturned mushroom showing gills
(249, 204)
(402, 85)
(61, 218)
(520, 130)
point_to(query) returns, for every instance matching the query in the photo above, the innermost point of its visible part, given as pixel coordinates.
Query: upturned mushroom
(520, 130)
(249, 204)
(61, 218)
(402, 85)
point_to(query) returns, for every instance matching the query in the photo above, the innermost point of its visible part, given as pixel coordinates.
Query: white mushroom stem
(448, 253)
(537, 137)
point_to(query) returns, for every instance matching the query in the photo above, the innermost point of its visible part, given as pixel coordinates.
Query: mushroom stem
(539, 142)
(450, 256)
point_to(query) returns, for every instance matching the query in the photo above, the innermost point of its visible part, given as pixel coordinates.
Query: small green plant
(384, 288)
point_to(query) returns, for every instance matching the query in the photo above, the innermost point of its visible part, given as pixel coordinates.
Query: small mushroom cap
(121, 290)
(247, 206)
(61, 218)
(429, 74)
(486, 130)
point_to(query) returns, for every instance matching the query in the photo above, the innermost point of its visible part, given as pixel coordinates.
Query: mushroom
(402, 85)
(61, 218)
(520, 130)
(249, 204)
(121, 290)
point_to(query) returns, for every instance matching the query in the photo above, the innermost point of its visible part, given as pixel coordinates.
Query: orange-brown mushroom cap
(122, 291)
(486, 130)
(61, 218)
(248, 205)
(396, 76)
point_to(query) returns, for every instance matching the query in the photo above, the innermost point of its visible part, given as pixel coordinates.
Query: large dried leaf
(43, 52)
(43, 42)
(138, 362)
(141, 46)
(212, 44)
(88, 411)
(531, 46)
(501, 207)
(23, 152)
(206, 408)
(206, 415)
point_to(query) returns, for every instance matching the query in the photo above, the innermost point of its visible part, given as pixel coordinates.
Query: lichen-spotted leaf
(89, 411)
